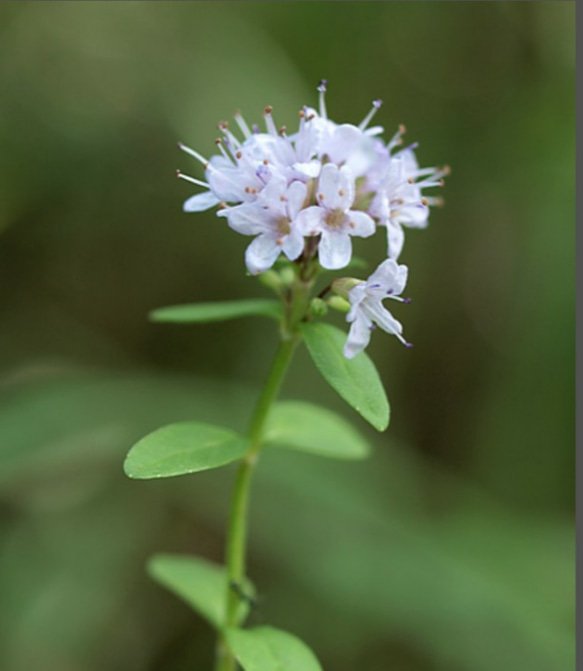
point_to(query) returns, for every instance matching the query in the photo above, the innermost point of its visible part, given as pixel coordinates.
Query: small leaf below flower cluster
(270, 649)
(356, 380)
(302, 426)
(220, 311)
(202, 584)
(186, 447)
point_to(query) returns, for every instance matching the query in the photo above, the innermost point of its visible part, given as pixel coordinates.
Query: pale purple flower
(398, 199)
(333, 219)
(367, 310)
(272, 218)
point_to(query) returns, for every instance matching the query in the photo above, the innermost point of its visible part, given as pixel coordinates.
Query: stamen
(269, 123)
(322, 89)
(219, 143)
(229, 137)
(397, 140)
(198, 182)
(376, 105)
(193, 153)
(242, 124)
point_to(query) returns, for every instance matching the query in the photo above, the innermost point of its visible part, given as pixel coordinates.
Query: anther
(424, 201)
(341, 192)
(351, 224)
(239, 155)
(282, 130)
(446, 170)
(265, 161)
(402, 129)
(311, 116)
(407, 300)
(268, 110)
(411, 180)
(302, 114)
(320, 196)
(408, 345)
(322, 85)
(223, 125)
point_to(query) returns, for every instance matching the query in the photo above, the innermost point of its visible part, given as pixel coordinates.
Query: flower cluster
(328, 182)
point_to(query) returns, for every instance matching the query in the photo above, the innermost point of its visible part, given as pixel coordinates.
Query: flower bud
(339, 303)
(318, 307)
(343, 285)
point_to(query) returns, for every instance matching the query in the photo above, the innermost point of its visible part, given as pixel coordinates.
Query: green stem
(237, 532)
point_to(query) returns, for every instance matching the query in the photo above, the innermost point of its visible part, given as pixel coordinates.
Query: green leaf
(270, 649)
(202, 584)
(356, 380)
(303, 426)
(216, 312)
(186, 447)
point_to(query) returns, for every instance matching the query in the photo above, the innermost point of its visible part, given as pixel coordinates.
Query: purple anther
(322, 85)
(377, 103)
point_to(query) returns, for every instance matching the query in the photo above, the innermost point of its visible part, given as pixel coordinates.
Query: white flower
(329, 180)
(243, 168)
(398, 200)
(333, 219)
(367, 310)
(272, 218)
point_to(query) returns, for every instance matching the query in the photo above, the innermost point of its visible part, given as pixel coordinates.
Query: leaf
(356, 380)
(186, 447)
(202, 584)
(303, 426)
(215, 312)
(270, 649)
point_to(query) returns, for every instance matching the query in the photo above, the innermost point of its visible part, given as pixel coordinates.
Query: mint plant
(303, 198)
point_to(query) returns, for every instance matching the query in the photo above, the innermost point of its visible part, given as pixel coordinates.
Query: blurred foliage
(451, 548)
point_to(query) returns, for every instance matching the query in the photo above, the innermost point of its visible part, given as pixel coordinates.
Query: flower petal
(334, 250)
(296, 195)
(378, 314)
(200, 202)
(310, 169)
(329, 186)
(395, 239)
(361, 224)
(293, 244)
(311, 220)
(389, 277)
(261, 254)
(358, 336)
(247, 219)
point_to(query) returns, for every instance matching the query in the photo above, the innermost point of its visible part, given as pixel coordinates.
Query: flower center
(282, 226)
(335, 219)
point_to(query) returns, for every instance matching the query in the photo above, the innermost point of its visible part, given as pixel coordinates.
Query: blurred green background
(451, 548)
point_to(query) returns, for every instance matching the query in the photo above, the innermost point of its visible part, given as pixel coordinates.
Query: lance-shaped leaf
(303, 426)
(356, 380)
(202, 584)
(270, 649)
(216, 312)
(186, 447)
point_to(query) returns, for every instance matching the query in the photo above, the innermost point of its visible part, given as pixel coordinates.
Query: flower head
(307, 194)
